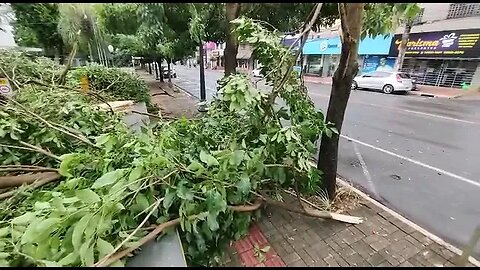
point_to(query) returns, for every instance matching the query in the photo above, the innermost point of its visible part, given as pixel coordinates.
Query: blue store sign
(379, 45)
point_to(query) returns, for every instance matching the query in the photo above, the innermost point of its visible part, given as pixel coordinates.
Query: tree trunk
(403, 45)
(149, 68)
(63, 76)
(160, 70)
(155, 64)
(169, 74)
(351, 23)
(232, 11)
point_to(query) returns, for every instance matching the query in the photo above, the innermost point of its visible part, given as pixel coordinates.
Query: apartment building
(443, 48)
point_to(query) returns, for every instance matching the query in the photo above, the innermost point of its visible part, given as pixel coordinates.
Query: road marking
(443, 117)
(365, 170)
(461, 178)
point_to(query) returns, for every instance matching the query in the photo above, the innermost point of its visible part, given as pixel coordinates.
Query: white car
(388, 82)
(256, 72)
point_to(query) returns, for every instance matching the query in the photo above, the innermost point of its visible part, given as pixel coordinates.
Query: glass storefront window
(314, 64)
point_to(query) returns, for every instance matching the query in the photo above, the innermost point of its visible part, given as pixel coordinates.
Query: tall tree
(357, 21)
(78, 27)
(36, 25)
(351, 25)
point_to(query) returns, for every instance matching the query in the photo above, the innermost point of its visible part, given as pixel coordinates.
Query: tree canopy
(36, 25)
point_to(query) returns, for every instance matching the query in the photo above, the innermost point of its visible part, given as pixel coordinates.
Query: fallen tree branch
(161, 227)
(316, 213)
(32, 148)
(39, 150)
(36, 184)
(18, 180)
(89, 93)
(80, 138)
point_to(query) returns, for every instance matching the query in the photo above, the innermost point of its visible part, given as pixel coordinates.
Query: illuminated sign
(457, 43)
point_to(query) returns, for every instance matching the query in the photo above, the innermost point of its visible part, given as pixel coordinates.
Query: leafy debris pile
(100, 191)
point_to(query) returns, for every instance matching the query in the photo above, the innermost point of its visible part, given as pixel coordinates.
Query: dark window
(461, 10)
(404, 76)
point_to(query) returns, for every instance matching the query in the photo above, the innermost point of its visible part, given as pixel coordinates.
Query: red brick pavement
(245, 249)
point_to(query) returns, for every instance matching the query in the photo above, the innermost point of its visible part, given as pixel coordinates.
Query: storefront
(323, 54)
(446, 58)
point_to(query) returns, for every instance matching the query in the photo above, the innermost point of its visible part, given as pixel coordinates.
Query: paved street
(415, 154)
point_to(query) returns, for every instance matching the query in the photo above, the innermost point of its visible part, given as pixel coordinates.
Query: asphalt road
(418, 155)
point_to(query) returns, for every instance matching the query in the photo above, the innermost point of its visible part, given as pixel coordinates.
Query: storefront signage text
(458, 43)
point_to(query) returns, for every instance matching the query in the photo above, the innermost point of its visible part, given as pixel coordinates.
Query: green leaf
(49, 263)
(168, 199)
(67, 159)
(23, 219)
(45, 225)
(215, 202)
(142, 202)
(184, 193)
(244, 184)
(104, 248)
(195, 166)
(79, 229)
(4, 231)
(212, 222)
(108, 178)
(41, 205)
(86, 254)
(69, 259)
(87, 196)
(208, 159)
(237, 157)
(30, 234)
(135, 173)
(328, 132)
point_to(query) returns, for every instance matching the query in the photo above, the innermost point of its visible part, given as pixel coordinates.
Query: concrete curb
(430, 235)
(185, 91)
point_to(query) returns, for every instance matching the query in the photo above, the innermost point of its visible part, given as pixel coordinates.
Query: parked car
(172, 70)
(388, 82)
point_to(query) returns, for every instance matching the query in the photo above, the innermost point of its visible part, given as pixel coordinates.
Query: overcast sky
(6, 38)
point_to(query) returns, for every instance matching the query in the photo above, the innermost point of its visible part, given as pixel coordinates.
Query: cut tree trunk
(403, 45)
(351, 23)
(232, 11)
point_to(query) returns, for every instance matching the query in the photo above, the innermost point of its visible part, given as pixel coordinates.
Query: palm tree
(78, 27)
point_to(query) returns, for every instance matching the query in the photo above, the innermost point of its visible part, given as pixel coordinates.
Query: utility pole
(203, 94)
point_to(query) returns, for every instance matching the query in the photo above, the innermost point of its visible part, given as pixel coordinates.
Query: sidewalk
(298, 240)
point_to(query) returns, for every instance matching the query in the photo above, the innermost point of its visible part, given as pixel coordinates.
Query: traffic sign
(5, 88)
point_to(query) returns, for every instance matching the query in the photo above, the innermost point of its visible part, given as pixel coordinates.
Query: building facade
(443, 48)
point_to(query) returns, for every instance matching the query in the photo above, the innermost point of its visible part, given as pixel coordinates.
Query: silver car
(388, 82)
